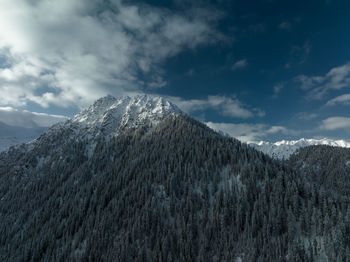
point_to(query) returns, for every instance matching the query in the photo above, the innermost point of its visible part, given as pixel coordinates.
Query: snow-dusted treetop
(283, 149)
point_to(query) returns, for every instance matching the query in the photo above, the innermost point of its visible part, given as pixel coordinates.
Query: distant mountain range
(14, 135)
(283, 149)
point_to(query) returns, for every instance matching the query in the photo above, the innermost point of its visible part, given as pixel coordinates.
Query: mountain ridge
(107, 117)
(285, 148)
(110, 113)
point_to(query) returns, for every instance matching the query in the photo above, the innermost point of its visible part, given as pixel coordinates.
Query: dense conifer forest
(174, 192)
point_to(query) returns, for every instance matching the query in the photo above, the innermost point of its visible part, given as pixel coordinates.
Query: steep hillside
(159, 187)
(326, 166)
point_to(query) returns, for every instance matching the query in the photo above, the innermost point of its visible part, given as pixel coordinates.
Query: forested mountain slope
(326, 166)
(165, 189)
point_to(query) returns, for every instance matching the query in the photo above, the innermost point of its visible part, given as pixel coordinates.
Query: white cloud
(67, 53)
(14, 117)
(318, 86)
(343, 99)
(226, 106)
(335, 123)
(240, 64)
(306, 116)
(248, 132)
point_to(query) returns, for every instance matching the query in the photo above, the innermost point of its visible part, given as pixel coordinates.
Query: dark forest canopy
(174, 192)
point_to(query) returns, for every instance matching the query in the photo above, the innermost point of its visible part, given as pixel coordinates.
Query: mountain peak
(125, 111)
(152, 104)
(108, 117)
(104, 101)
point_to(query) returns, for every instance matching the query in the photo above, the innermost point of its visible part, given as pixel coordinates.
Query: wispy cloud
(277, 89)
(343, 99)
(226, 106)
(318, 86)
(258, 28)
(26, 119)
(248, 132)
(336, 123)
(71, 52)
(285, 25)
(298, 54)
(306, 116)
(191, 72)
(240, 64)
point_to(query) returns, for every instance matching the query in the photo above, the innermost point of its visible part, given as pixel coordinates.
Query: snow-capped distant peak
(283, 149)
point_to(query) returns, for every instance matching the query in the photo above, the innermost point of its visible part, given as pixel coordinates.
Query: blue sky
(258, 70)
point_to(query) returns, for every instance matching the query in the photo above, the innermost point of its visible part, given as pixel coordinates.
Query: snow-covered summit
(109, 116)
(283, 149)
(110, 112)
